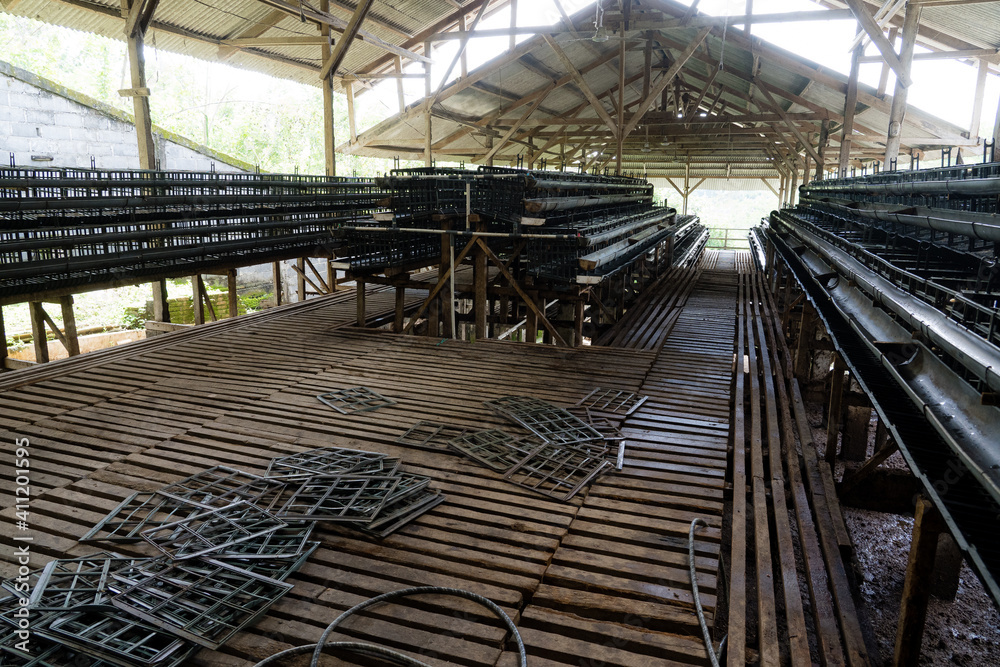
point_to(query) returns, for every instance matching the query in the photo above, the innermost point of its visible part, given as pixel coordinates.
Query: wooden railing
(728, 239)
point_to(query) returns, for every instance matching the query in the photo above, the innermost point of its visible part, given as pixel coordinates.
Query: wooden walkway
(599, 580)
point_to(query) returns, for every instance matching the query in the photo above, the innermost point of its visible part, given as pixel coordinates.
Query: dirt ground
(965, 631)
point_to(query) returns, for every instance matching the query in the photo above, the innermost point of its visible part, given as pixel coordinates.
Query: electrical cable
(709, 648)
(382, 652)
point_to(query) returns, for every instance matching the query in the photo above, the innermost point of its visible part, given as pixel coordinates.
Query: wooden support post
(824, 139)
(331, 276)
(513, 24)
(276, 277)
(531, 318)
(835, 409)
(996, 131)
(444, 266)
(479, 280)
(398, 61)
(234, 300)
(326, 85)
(38, 335)
(161, 306)
(3, 337)
(897, 113)
(687, 183)
(397, 323)
(854, 446)
(947, 568)
(137, 70)
(850, 107)
(70, 337)
(351, 121)
(433, 319)
(578, 323)
(360, 300)
(804, 345)
(428, 142)
(883, 79)
(198, 298)
(982, 70)
(927, 525)
(300, 265)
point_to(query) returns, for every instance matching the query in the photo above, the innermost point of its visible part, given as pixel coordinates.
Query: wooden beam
(137, 71)
(398, 64)
(664, 81)
(140, 13)
(957, 54)
(521, 293)
(331, 64)
(359, 299)
(883, 79)
(927, 526)
(460, 54)
(850, 108)
(340, 25)
(788, 123)
(276, 281)
(982, 69)
(582, 85)
(254, 30)
(442, 281)
(233, 304)
(500, 143)
(257, 42)
(351, 118)
(897, 113)
(880, 41)
(39, 337)
(326, 84)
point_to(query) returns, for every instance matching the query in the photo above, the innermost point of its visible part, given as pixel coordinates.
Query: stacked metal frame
(64, 228)
(903, 269)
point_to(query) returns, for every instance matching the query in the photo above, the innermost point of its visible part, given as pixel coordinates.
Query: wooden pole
(38, 335)
(427, 109)
(804, 345)
(300, 264)
(71, 339)
(276, 277)
(883, 79)
(479, 279)
(351, 121)
(898, 111)
(161, 305)
(329, 138)
(234, 302)
(578, 323)
(982, 69)
(3, 336)
(850, 107)
(360, 300)
(140, 91)
(397, 323)
(835, 408)
(398, 62)
(927, 526)
(198, 297)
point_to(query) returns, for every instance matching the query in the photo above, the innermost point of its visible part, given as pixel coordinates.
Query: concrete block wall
(40, 119)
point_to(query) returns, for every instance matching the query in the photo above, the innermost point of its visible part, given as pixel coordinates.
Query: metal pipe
(969, 186)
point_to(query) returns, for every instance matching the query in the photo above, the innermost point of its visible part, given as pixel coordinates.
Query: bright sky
(943, 88)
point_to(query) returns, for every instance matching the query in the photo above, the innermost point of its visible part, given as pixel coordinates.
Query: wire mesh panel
(355, 399)
(76, 583)
(338, 498)
(221, 486)
(213, 531)
(495, 449)
(328, 461)
(273, 568)
(116, 638)
(285, 543)
(138, 512)
(395, 516)
(203, 601)
(549, 422)
(558, 472)
(36, 651)
(431, 436)
(614, 401)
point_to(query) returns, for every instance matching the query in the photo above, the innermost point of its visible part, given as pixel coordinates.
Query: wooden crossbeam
(442, 280)
(140, 13)
(788, 123)
(582, 85)
(880, 41)
(351, 30)
(665, 80)
(521, 293)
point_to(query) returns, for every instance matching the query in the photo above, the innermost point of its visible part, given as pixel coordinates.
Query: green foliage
(251, 301)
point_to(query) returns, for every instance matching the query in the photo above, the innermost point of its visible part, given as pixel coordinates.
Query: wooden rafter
(351, 30)
(582, 85)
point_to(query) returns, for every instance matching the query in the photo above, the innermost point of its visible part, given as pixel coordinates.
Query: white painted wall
(41, 119)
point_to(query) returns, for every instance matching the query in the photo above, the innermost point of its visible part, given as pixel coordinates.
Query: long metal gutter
(972, 351)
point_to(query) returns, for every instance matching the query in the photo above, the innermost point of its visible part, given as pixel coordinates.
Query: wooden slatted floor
(601, 579)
